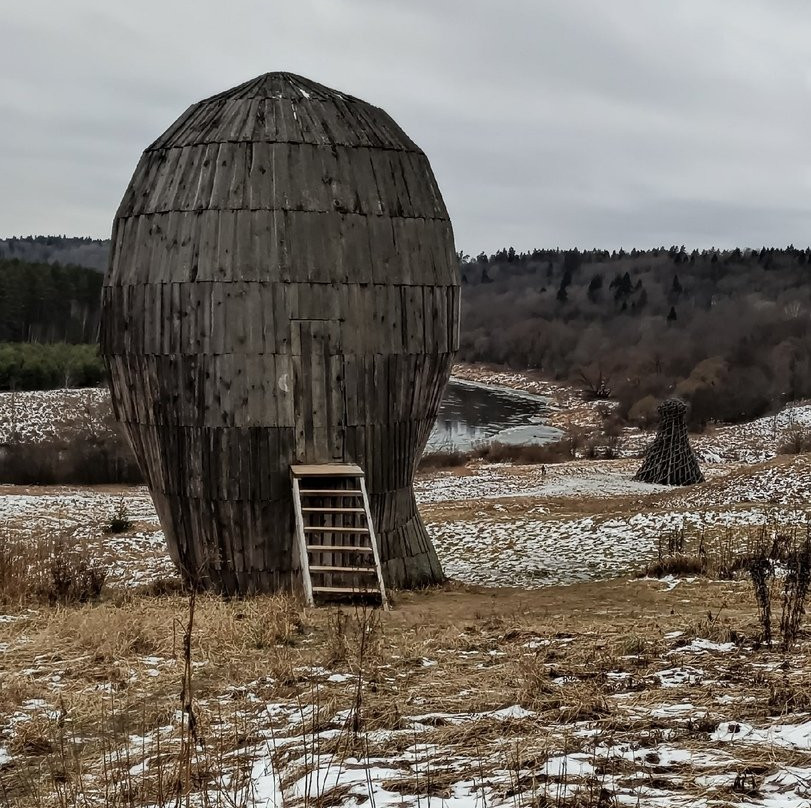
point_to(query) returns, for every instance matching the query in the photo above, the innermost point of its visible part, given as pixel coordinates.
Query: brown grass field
(572, 695)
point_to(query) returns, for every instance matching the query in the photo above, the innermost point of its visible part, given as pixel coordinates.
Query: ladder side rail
(302, 545)
(373, 540)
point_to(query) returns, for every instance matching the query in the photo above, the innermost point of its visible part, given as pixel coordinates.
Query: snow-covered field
(496, 525)
(516, 526)
(43, 414)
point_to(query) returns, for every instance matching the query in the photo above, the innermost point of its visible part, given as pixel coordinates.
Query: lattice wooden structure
(283, 289)
(670, 459)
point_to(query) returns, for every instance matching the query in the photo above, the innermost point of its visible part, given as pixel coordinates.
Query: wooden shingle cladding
(283, 288)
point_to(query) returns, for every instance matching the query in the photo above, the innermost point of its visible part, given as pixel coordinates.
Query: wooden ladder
(335, 537)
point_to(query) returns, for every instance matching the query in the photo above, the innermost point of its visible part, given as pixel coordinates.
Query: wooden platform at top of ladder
(335, 538)
(327, 470)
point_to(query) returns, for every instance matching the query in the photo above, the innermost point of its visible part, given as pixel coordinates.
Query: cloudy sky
(548, 122)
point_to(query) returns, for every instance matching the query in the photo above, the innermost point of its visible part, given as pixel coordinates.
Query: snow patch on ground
(38, 415)
(80, 517)
(542, 551)
(600, 479)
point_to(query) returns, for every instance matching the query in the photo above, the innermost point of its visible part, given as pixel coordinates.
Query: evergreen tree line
(49, 319)
(42, 302)
(729, 331)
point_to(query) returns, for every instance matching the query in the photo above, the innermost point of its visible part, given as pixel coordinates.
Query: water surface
(474, 414)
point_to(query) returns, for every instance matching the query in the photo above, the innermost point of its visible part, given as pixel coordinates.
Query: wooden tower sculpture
(283, 290)
(670, 459)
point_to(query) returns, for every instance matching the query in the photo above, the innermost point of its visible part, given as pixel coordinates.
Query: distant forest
(83, 252)
(48, 303)
(49, 319)
(729, 331)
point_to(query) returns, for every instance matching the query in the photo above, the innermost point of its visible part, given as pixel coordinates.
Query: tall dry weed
(47, 568)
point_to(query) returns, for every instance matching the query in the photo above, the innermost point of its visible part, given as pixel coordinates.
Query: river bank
(568, 408)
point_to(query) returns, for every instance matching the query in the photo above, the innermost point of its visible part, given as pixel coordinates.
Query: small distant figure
(543, 472)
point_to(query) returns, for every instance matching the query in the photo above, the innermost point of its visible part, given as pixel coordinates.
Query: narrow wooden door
(318, 393)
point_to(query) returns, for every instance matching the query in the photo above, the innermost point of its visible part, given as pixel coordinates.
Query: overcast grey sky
(548, 122)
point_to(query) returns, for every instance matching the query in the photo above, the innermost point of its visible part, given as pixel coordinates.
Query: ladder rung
(315, 568)
(333, 510)
(347, 590)
(330, 492)
(336, 529)
(327, 470)
(337, 548)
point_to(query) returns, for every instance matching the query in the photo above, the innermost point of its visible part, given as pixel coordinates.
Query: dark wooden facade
(283, 288)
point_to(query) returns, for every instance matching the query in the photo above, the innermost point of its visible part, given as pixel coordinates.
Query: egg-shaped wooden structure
(283, 288)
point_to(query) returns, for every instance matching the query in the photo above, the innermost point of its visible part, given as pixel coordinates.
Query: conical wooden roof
(285, 108)
(284, 143)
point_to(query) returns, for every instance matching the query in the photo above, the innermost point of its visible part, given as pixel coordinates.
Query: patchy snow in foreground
(529, 549)
(81, 516)
(536, 537)
(666, 736)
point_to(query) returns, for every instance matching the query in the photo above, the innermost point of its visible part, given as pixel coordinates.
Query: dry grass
(795, 440)
(37, 568)
(723, 552)
(554, 452)
(197, 709)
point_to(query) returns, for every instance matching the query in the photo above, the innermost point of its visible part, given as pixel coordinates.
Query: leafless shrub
(595, 385)
(673, 558)
(791, 556)
(612, 447)
(613, 425)
(795, 440)
(675, 542)
(444, 459)
(88, 448)
(554, 452)
(795, 591)
(338, 645)
(71, 577)
(677, 565)
(69, 460)
(761, 573)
